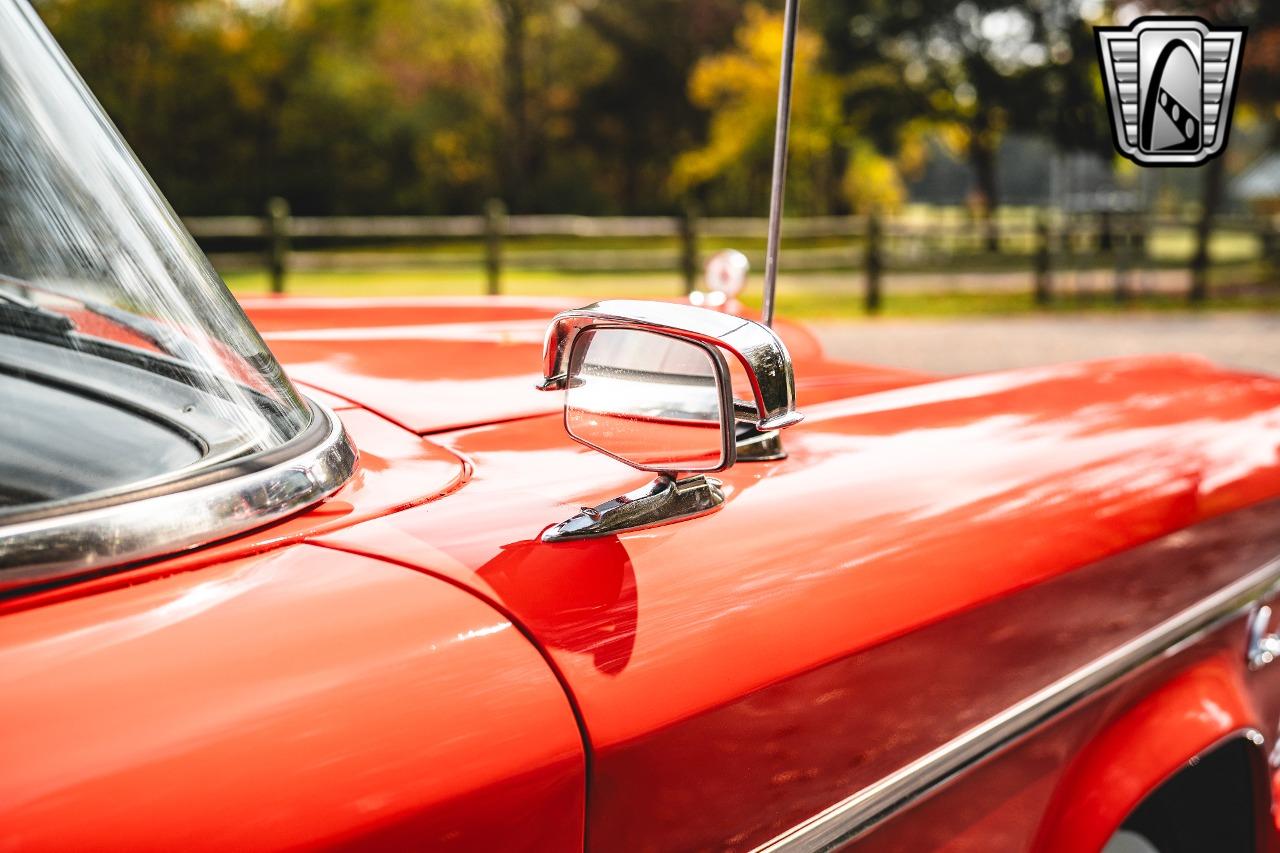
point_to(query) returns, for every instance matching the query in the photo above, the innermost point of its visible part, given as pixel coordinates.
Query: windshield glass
(124, 360)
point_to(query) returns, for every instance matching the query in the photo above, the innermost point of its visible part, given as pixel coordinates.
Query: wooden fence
(1046, 242)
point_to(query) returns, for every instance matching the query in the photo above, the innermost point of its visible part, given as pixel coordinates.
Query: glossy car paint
(432, 366)
(397, 469)
(299, 699)
(1051, 793)
(902, 574)
(1186, 714)
(777, 627)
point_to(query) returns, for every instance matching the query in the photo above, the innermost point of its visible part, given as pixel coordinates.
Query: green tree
(968, 72)
(739, 89)
(1256, 97)
(637, 118)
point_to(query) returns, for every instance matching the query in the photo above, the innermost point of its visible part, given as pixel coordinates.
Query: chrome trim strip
(863, 810)
(61, 547)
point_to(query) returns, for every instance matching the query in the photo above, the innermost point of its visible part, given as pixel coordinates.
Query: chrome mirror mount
(756, 446)
(663, 501)
(647, 383)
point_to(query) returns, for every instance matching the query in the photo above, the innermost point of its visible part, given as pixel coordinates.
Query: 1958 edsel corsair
(405, 598)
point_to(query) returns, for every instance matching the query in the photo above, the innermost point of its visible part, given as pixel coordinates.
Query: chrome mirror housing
(757, 348)
(648, 383)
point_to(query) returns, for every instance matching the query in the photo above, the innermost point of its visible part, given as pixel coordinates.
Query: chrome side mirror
(757, 348)
(648, 383)
(657, 402)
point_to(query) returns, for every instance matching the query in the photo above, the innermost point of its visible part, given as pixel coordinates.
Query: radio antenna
(781, 129)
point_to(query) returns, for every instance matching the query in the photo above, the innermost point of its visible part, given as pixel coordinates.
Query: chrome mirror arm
(1262, 647)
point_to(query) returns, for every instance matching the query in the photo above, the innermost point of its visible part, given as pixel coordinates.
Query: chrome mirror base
(664, 500)
(757, 446)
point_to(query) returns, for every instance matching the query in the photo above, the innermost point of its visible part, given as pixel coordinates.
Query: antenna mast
(781, 130)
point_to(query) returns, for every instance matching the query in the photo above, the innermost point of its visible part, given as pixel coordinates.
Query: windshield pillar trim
(65, 546)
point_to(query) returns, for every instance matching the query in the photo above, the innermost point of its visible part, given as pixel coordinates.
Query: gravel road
(1244, 340)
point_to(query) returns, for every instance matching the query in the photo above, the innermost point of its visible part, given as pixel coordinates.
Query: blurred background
(954, 200)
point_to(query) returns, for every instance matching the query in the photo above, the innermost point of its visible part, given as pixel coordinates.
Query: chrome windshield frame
(83, 541)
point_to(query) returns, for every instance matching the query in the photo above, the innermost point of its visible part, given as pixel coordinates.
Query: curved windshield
(124, 360)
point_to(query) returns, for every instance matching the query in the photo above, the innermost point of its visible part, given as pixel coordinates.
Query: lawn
(950, 275)
(812, 296)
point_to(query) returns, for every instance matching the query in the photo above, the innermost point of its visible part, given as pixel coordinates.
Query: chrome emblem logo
(1170, 84)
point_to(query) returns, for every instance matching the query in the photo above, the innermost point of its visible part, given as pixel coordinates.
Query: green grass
(843, 307)
(826, 296)
(1165, 247)
(462, 282)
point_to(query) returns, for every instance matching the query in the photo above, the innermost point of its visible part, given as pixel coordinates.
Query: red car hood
(438, 364)
(862, 601)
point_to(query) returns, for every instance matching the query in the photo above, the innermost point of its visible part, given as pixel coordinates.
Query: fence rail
(1044, 239)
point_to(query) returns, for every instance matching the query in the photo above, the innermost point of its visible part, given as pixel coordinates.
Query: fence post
(1123, 249)
(1199, 291)
(874, 263)
(689, 247)
(277, 242)
(1106, 233)
(1043, 273)
(1269, 235)
(495, 225)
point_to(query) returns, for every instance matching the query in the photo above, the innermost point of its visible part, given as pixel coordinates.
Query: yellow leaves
(913, 146)
(740, 88)
(454, 154)
(954, 137)
(872, 182)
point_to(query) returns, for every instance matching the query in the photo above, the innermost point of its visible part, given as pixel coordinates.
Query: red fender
(1140, 749)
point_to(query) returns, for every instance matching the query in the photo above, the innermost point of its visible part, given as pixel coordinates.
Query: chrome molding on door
(863, 810)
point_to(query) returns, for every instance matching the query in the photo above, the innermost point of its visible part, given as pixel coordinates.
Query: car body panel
(1182, 715)
(1019, 801)
(298, 699)
(397, 469)
(433, 365)
(898, 578)
(796, 627)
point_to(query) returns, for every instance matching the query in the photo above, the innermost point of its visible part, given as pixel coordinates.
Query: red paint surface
(924, 557)
(895, 512)
(397, 469)
(437, 364)
(1148, 743)
(299, 699)
(1071, 785)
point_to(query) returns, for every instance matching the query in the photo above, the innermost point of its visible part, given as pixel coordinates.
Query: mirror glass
(651, 400)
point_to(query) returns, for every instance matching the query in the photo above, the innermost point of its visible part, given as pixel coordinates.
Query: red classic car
(397, 595)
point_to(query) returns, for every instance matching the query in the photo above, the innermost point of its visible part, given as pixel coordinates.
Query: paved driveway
(1244, 340)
